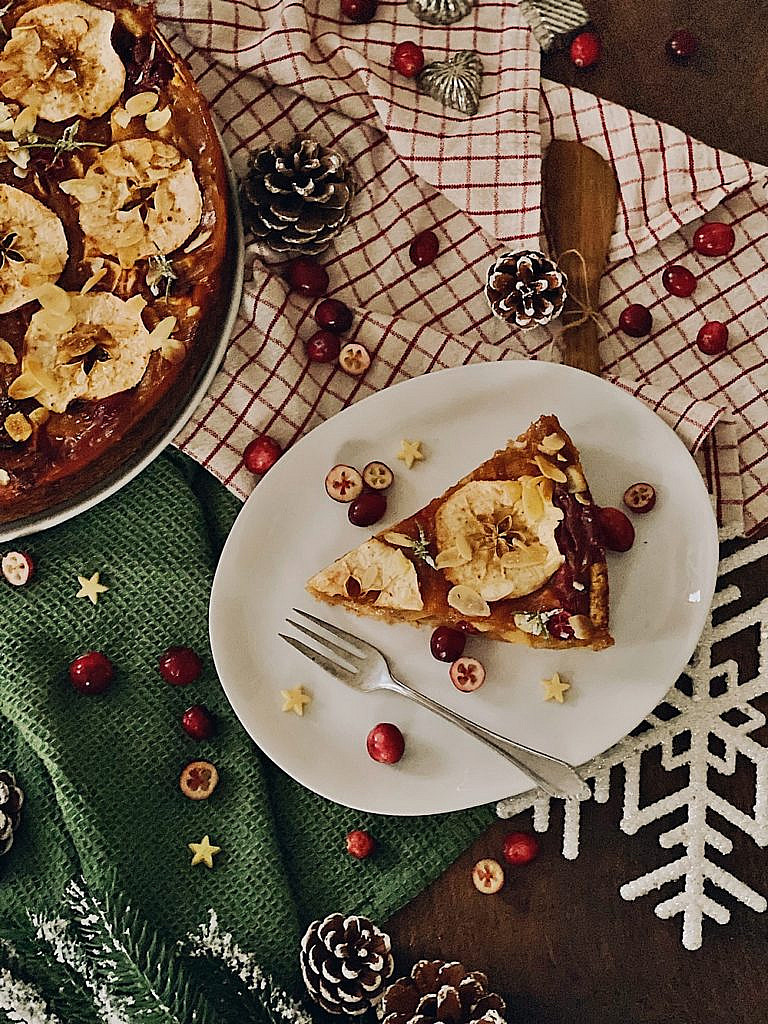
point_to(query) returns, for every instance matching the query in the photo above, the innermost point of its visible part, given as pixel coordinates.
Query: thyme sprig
(68, 143)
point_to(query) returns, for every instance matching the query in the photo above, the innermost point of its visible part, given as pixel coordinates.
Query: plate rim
(483, 367)
(138, 462)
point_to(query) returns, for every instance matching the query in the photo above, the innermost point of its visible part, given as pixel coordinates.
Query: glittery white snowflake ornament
(704, 722)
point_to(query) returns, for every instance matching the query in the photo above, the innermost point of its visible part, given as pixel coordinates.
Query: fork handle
(554, 776)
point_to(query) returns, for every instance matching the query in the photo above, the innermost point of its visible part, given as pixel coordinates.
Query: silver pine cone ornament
(296, 196)
(436, 992)
(11, 800)
(526, 288)
(441, 12)
(346, 963)
(455, 82)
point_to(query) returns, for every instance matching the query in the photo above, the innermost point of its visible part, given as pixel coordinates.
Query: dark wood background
(559, 942)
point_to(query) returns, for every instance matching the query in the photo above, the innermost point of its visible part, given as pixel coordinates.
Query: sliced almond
(51, 297)
(24, 123)
(18, 427)
(529, 623)
(135, 304)
(5, 478)
(113, 161)
(7, 355)
(55, 323)
(575, 478)
(192, 311)
(464, 547)
(39, 416)
(142, 150)
(533, 504)
(581, 497)
(173, 350)
(19, 157)
(25, 386)
(551, 443)
(85, 190)
(141, 103)
(93, 280)
(157, 119)
(197, 242)
(450, 558)
(524, 554)
(121, 117)
(399, 540)
(162, 332)
(581, 626)
(546, 489)
(369, 579)
(550, 470)
(468, 602)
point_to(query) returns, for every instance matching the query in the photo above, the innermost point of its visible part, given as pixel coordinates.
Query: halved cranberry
(714, 238)
(323, 347)
(367, 508)
(18, 568)
(307, 277)
(679, 281)
(447, 644)
(385, 743)
(354, 358)
(333, 315)
(640, 497)
(467, 674)
(559, 626)
(636, 320)
(617, 531)
(378, 476)
(343, 483)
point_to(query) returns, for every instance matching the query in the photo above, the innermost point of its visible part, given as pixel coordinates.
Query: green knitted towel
(101, 773)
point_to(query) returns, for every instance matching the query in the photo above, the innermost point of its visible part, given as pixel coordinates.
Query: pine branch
(131, 961)
(29, 959)
(22, 1003)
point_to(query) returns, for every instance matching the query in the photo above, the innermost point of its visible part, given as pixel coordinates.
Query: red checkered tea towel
(270, 70)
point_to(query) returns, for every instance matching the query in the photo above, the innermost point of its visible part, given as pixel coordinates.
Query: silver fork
(364, 667)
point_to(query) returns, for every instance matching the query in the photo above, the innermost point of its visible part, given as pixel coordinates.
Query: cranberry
(712, 338)
(91, 673)
(354, 358)
(261, 454)
(520, 848)
(359, 11)
(636, 320)
(447, 644)
(585, 50)
(424, 249)
(18, 567)
(323, 347)
(408, 59)
(640, 497)
(467, 674)
(367, 508)
(198, 722)
(333, 315)
(559, 626)
(385, 743)
(714, 238)
(180, 666)
(308, 277)
(360, 843)
(682, 46)
(679, 281)
(617, 531)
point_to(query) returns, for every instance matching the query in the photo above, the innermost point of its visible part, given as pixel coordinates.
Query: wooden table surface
(559, 941)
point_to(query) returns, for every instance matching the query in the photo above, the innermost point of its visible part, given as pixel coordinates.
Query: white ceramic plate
(660, 591)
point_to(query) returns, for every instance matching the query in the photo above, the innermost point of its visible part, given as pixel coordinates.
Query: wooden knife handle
(582, 345)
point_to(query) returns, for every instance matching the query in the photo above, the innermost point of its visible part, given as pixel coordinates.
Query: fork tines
(341, 662)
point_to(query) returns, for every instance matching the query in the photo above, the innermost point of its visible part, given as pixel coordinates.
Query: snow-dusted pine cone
(526, 288)
(11, 799)
(346, 962)
(441, 993)
(296, 196)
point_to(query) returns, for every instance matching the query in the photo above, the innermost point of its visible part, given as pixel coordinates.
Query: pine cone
(346, 962)
(526, 288)
(296, 196)
(441, 993)
(11, 800)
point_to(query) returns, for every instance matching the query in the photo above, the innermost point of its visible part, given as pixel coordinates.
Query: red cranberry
(679, 281)
(424, 249)
(323, 347)
(308, 277)
(333, 315)
(367, 509)
(408, 59)
(559, 626)
(617, 531)
(261, 454)
(636, 320)
(520, 848)
(682, 46)
(586, 50)
(180, 666)
(91, 673)
(359, 11)
(360, 843)
(198, 722)
(712, 338)
(385, 743)
(714, 238)
(447, 644)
